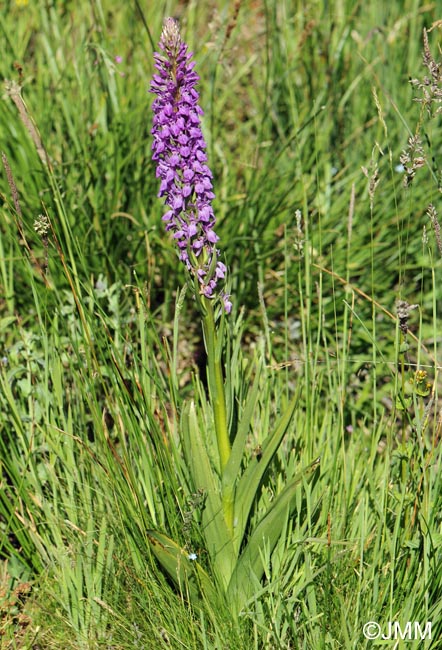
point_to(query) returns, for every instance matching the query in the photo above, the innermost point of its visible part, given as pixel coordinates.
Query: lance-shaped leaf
(233, 467)
(204, 477)
(248, 484)
(187, 574)
(249, 567)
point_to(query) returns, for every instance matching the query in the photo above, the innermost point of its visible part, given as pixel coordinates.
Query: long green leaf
(233, 467)
(188, 575)
(249, 566)
(248, 484)
(214, 527)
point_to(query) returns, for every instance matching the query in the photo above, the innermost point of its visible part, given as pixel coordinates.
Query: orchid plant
(219, 463)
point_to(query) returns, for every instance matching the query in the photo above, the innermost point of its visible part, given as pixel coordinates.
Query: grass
(307, 113)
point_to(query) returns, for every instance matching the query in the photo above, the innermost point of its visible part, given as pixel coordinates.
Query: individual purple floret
(179, 150)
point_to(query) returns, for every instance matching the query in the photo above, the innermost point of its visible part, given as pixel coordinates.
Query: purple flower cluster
(179, 150)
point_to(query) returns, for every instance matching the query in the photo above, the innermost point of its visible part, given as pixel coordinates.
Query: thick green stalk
(216, 384)
(218, 402)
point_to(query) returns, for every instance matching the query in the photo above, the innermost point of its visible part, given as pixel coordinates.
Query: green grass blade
(249, 567)
(248, 484)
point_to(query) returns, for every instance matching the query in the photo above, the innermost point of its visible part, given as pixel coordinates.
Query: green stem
(216, 384)
(404, 462)
(218, 402)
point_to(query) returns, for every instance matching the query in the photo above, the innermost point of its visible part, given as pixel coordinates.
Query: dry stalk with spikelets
(413, 157)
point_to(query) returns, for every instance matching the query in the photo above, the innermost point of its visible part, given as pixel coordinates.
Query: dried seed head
(432, 213)
(403, 310)
(299, 242)
(372, 173)
(430, 86)
(412, 158)
(42, 225)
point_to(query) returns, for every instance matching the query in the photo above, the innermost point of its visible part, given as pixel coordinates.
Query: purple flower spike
(179, 149)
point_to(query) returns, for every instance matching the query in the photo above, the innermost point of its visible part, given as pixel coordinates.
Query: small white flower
(192, 556)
